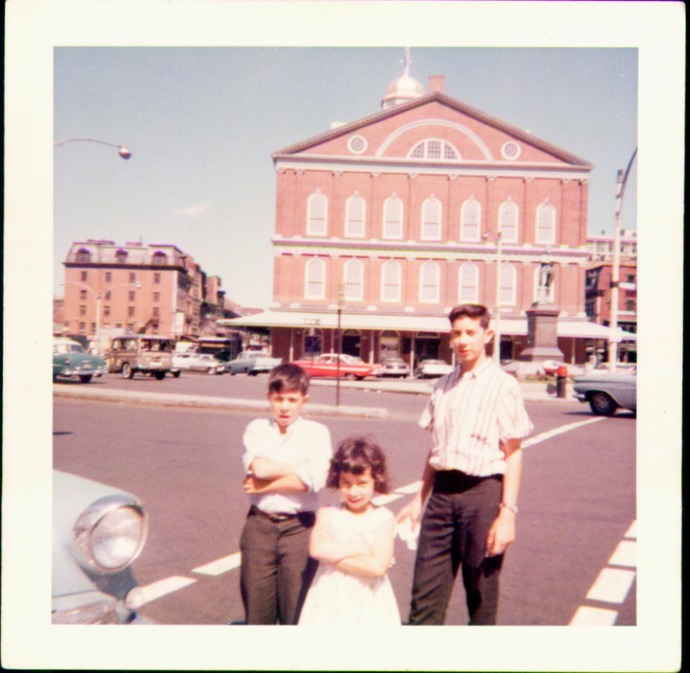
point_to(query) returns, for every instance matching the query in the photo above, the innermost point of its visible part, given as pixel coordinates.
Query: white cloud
(194, 211)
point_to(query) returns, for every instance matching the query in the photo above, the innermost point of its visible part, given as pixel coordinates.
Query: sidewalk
(533, 391)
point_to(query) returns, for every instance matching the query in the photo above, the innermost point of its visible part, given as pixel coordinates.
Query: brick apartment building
(114, 289)
(385, 223)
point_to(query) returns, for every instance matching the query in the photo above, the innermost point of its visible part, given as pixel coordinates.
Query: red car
(351, 368)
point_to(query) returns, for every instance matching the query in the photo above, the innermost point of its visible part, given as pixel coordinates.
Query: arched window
(546, 223)
(354, 216)
(315, 279)
(393, 218)
(434, 149)
(317, 215)
(508, 279)
(121, 256)
(470, 217)
(468, 283)
(429, 283)
(353, 274)
(83, 256)
(431, 220)
(391, 281)
(159, 258)
(508, 218)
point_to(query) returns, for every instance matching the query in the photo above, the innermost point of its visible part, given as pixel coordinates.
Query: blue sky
(202, 123)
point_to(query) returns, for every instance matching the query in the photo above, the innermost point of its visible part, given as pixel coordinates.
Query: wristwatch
(512, 508)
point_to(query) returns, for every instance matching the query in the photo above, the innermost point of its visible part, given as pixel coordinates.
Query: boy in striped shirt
(470, 484)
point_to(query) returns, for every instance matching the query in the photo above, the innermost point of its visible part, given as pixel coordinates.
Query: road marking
(559, 431)
(385, 499)
(611, 586)
(586, 616)
(163, 587)
(625, 554)
(220, 566)
(410, 488)
(632, 531)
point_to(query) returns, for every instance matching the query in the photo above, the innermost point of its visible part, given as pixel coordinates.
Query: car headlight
(110, 533)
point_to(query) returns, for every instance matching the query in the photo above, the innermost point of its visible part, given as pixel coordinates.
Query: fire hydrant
(561, 381)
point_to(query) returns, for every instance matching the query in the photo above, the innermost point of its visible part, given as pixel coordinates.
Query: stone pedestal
(542, 334)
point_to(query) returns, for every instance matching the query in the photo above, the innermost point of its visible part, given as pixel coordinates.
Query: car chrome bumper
(93, 608)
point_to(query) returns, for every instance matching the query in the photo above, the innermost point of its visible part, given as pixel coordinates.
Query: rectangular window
(130, 311)
(82, 295)
(157, 278)
(84, 275)
(82, 310)
(108, 277)
(132, 277)
(156, 312)
(106, 311)
(156, 296)
(131, 296)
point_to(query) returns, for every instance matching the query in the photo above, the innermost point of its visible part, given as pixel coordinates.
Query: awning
(578, 329)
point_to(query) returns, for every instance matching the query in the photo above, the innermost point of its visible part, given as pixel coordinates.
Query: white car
(198, 362)
(430, 368)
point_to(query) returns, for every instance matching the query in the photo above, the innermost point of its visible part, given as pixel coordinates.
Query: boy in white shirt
(286, 460)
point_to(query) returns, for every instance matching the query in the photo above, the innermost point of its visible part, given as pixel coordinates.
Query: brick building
(385, 223)
(114, 289)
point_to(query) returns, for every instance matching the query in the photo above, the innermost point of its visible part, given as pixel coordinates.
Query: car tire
(211, 370)
(86, 378)
(602, 405)
(176, 374)
(352, 377)
(159, 375)
(127, 371)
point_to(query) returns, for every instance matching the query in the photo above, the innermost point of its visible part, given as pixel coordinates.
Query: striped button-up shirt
(470, 415)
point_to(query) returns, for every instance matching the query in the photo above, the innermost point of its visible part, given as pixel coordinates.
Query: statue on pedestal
(545, 280)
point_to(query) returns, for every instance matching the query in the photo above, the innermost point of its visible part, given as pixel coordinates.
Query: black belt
(455, 481)
(278, 517)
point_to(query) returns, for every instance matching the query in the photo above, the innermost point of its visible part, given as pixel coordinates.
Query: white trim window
(429, 283)
(317, 214)
(470, 220)
(434, 149)
(391, 281)
(508, 289)
(315, 279)
(393, 218)
(468, 283)
(353, 274)
(355, 209)
(431, 219)
(509, 221)
(546, 223)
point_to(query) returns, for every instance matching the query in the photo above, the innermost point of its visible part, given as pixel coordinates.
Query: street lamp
(121, 149)
(621, 179)
(341, 303)
(497, 312)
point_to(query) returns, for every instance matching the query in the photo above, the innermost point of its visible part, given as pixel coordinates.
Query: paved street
(573, 562)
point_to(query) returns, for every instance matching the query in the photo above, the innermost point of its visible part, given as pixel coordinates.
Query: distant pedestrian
(477, 418)
(354, 544)
(286, 459)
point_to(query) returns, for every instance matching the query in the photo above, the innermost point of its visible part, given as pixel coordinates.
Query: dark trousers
(276, 569)
(455, 526)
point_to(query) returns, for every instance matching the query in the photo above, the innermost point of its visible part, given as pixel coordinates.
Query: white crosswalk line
(612, 585)
(220, 566)
(586, 616)
(625, 554)
(164, 587)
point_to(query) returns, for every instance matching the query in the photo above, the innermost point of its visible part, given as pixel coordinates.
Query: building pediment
(433, 129)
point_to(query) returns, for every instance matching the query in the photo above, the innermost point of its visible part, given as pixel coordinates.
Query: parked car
(198, 362)
(98, 531)
(351, 367)
(252, 363)
(606, 393)
(552, 366)
(431, 368)
(141, 353)
(396, 367)
(70, 360)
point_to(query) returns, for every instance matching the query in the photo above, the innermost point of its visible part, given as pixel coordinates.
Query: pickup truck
(253, 363)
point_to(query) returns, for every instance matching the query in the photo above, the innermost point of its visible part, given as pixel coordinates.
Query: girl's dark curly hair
(354, 455)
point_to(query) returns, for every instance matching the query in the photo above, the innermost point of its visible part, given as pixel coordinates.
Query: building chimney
(437, 83)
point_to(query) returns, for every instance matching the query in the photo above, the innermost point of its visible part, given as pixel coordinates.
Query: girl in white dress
(353, 543)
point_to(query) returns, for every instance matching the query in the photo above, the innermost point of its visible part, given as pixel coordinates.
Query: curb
(208, 402)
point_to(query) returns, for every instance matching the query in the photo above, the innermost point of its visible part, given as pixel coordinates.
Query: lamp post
(497, 311)
(121, 149)
(621, 179)
(97, 330)
(341, 302)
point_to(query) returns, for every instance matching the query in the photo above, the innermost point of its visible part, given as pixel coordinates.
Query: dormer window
(160, 258)
(83, 256)
(121, 256)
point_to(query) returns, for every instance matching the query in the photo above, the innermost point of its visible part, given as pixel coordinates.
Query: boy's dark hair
(354, 455)
(471, 311)
(288, 377)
